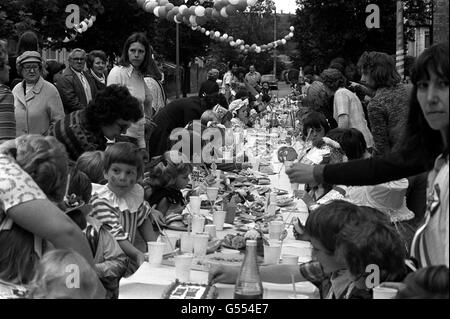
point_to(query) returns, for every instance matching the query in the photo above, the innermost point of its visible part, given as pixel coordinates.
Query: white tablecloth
(149, 281)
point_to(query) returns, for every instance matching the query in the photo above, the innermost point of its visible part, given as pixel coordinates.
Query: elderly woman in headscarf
(239, 109)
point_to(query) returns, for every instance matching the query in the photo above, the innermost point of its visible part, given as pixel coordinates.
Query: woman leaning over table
(7, 120)
(134, 64)
(37, 102)
(425, 149)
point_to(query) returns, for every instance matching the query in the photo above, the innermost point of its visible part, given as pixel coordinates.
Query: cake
(180, 290)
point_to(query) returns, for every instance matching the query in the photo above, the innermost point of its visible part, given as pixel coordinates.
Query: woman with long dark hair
(425, 148)
(135, 63)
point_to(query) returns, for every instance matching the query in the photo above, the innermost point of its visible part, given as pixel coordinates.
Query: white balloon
(156, 11)
(176, 20)
(223, 12)
(292, 29)
(83, 26)
(90, 23)
(242, 47)
(183, 8)
(225, 36)
(251, 3)
(291, 35)
(258, 49)
(207, 33)
(200, 11)
(217, 34)
(193, 19)
(234, 2)
(232, 43)
(284, 41)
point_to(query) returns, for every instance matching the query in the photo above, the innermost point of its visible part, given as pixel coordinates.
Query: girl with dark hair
(348, 110)
(425, 140)
(134, 64)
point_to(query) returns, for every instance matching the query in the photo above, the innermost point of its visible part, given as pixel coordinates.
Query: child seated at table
(63, 274)
(120, 204)
(329, 271)
(91, 163)
(168, 176)
(373, 252)
(239, 109)
(110, 260)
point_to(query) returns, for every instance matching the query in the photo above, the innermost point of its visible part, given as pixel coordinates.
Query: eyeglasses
(29, 67)
(79, 59)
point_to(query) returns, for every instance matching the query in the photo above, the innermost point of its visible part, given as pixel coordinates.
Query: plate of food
(284, 201)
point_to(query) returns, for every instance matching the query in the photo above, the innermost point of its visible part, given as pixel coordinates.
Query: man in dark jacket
(76, 87)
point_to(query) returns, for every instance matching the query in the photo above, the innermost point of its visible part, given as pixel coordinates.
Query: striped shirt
(7, 117)
(74, 133)
(122, 216)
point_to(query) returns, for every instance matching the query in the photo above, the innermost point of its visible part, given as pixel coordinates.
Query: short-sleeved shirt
(121, 215)
(347, 103)
(16, 187)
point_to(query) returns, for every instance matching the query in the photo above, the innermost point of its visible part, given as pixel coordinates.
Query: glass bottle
(249, 284)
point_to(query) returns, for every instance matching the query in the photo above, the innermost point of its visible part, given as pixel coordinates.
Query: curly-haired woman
(108, 116)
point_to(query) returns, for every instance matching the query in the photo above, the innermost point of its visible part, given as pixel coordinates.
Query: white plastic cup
(183, 267)
(171, 242)
(219, 219)
(200, 244)
(384, 293)
(256, 162)
(228, 155)
(272, 254)
(275, 229)
(155, 252)
(298, 296)
(212, 193)
(187, 243)
(287, 259)
(198, 224)
(195, 202)
(211, 230)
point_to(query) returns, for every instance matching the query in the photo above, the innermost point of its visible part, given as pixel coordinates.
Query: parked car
(272, 80)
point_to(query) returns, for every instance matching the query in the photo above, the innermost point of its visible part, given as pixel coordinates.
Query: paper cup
(384, 293)
(289, 259)
(272, 254)
(198, 224)
(187, 243)
(155, 252)
(200, 244)
(211, 230)
(219, 219)
(275, 229)
(183, 267)
(212, 193)
(171, 242)
(228, 155)
(195, 203)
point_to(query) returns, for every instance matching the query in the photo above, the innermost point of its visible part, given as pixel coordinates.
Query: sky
(285, 5)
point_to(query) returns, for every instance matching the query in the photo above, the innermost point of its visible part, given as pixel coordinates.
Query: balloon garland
(81, 27)
(195, 16)
(240, 44)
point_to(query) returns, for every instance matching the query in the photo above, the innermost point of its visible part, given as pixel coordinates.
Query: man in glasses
(76, 87)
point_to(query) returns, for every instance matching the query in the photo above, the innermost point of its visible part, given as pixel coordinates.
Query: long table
(149, 281)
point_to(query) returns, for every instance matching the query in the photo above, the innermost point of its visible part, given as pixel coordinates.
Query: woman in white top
(134, 64)
(348, 111)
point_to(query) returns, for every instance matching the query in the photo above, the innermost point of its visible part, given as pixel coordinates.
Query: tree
(337, 28)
